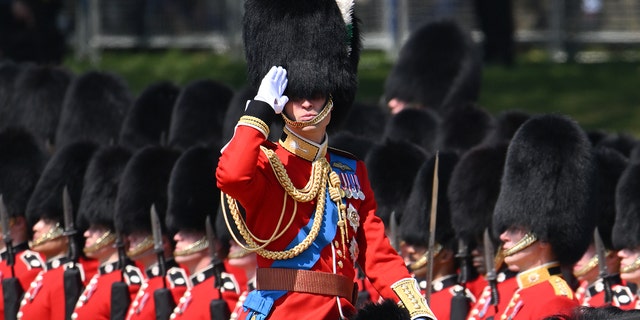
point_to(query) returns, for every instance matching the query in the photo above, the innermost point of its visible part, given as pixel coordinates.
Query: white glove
(272, 88)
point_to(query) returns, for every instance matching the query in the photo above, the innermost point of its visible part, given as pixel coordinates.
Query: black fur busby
(626, 229)
(438, 67)
(236, 110)
(100, 187)
(634, 154)
(622, 142)
(548, 185)
(143, 184)
(414, 223)
(366, 120)
(609, 167)
(596, 135)
(9, 71)
(419, 126)
(386, 310)
(199, 114)
(193, 194)
(463, 128)
(147, 122)
(94, 108)
(316, 41)
(505, 126)
(357, 145)
(66, 168)
(392, 168)
(21, 163)
(474, 189)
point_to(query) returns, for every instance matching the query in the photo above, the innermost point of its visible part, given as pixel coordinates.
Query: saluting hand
(272, 89)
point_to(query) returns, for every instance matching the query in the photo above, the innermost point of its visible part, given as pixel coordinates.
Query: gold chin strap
(593, 262)
(105, 239)
(525, 242)
(197, 246)
(53, 233)
(422, 262)
(632, 267)
(317, 119)
(142, 247)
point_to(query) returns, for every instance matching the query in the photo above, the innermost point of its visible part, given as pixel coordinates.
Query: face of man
(302, 110)
(628, 258)
(93, 235)
(50, 248)
(590, 275)
(186, 240)
(532, 256)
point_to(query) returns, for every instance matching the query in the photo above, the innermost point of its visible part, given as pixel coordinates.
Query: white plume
(346, 8)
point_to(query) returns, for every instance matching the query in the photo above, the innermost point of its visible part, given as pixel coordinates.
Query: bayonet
(432, 227)
(218, 308)
(601, 253)
(10, 284)
(72, 276)
(489, 260)
(158, 248)
(6, 234)
(393, 231)
(69, 225)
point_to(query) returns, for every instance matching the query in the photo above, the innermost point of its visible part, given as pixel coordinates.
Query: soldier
(48, 296)
(598, 288)
(190, 201)
(626, 229)
(21, 162)
(418, 126)
(95, 214)
(143, 185)
(543, 213)
(314, 234)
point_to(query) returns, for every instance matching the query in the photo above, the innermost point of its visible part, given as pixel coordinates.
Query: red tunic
(27, 266)
(95, 300)
(143, 306)
(622, 297)
(541, 293)
(506, 286)
(45, 298)
(194, 304)
(443, 289)
(244, 173)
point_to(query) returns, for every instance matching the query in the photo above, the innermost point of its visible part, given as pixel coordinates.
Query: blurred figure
(495, 18)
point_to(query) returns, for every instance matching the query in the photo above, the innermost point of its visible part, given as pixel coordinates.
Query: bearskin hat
(634, 154)
(386, 310)
(474, 189)
(21, 163)
(622, 142)
(548, 185)
(304, 37)
(193, 194)
(39, 94)
(505, 126)
(94, 108)
(463, 128)
(365, 120)
(9, 71)
(626, 229)
(236, 110)
(415, 220)
(419, 126)
(357, 145)
(596, 135)
(100, 187)
(609, 167)
(199, 113)
(147, 122)
(66, 168)
(392, 167)
(143, 184)
(438, 67)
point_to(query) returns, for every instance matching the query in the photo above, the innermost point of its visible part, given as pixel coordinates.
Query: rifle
(72, 275)
(11, 286)
(602, 266)
(218, 308)
(120, 298)
(162, 297)
(460, 303)
(491, 276)
(432, 227)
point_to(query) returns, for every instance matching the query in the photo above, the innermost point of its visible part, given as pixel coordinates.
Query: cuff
(410, 298)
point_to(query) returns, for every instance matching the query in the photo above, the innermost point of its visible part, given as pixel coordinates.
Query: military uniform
(27, 266)
(506, 286)
(594, 294)
(45, 297)
(237, 309)
(143, 305)
(95, 300)
(194, 304)
(443, 289)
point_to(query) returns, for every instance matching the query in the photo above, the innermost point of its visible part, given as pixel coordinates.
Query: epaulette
(31, 259)
(622, 295)
(560, 287)
(177, 277)
(133, 275)
(343, 153)
(229, 283)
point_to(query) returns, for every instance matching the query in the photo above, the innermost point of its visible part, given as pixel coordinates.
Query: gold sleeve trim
(256, 123)
(411, 299)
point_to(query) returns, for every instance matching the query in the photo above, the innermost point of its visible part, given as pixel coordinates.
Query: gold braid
(315, 188)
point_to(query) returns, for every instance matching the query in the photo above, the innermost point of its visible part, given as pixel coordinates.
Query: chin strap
(326, 110)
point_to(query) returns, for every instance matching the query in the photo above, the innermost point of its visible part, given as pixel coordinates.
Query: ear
(446, 256)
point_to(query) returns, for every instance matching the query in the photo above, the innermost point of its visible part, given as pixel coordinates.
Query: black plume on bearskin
(304, 37)
(419, 126)
(143, 184)
(474, 189)
(548, 185)
(94, 108)
(386, 310)
(463, 128)
(21, 163)
(147, 122)
(438, 68)
(626, 229)
(193, 194)
(66, 168)
(414, 223)
(198, 115)
(392, 167)
(100, 187)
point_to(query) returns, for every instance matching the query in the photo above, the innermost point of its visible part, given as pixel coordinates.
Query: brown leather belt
(306, 281)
